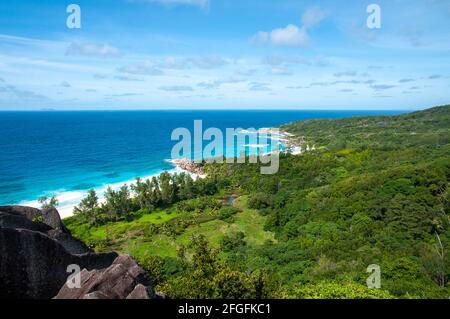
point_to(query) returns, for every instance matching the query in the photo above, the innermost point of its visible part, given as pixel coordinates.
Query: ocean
(67, 153)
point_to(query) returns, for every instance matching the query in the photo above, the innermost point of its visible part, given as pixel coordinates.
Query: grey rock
(50, 216)
(13, 221)
(123, 279)
(139, 292)
(49, 223)
(34, 256)
(36, 250)
(95, 295)
(28, 212)
(33, 265)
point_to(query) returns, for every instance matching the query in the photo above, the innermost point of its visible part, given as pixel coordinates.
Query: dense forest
(374, 191)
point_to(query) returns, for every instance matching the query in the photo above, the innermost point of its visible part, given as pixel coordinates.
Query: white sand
(69, 199)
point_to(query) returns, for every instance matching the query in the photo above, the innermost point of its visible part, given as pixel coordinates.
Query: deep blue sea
(67, 153)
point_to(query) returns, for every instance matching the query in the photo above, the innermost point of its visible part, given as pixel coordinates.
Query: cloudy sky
(139, 54)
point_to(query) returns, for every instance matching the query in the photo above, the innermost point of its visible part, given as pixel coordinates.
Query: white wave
(69, 199)
(256, 145)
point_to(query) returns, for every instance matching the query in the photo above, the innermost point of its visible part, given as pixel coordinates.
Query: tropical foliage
(375, 191)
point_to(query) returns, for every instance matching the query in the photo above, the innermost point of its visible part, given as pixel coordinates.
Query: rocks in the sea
(124, 279)
(36, 250)
(189, 166)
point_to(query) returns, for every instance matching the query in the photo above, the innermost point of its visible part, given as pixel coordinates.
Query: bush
(261, 201)
(335, 290)
(233, 242)
(227, 213)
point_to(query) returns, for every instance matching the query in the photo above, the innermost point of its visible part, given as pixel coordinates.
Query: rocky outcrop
(28, 212)
(188, 166)
(45, 221)
(36, 250)
(33, 265)
(124, 279)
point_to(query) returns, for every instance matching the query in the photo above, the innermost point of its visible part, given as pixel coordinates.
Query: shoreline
(69, 199)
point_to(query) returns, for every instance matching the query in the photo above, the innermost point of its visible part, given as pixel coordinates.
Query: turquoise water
(66, 153)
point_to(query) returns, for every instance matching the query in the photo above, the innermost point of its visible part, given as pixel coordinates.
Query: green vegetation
(375, 191)
(48, 202)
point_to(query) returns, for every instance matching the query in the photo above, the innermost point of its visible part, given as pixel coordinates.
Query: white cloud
(407, 80)
(281, 71)
(100, 76)
(290, 36)
(259, 86)
(173, 63)
(218, 83)
(127, 78)
(313, 16)
(12, 94)
(275, 60)
(11, 60)
(176, 88)
(65, 84)
(345, 74)
(208, 62)
(261, 37)
(36, 43)
(382, 87)
(93, 50)
(202, 62)
(141, 68)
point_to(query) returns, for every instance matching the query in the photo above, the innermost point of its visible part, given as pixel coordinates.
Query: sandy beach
(69, 199)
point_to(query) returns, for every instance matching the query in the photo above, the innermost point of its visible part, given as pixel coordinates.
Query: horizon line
(216, 109)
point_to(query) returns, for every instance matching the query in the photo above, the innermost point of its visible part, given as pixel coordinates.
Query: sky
(224, 54)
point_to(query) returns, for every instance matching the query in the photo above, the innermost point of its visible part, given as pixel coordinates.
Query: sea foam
(69, 199)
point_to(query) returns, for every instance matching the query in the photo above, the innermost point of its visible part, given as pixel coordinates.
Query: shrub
(260, 201)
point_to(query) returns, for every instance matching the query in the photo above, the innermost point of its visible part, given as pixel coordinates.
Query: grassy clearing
(121, 230)
(248, 221)
(131, 237)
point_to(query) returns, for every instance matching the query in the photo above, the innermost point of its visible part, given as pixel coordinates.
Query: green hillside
(375, 191)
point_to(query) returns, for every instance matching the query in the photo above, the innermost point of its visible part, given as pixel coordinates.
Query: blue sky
(278, 54)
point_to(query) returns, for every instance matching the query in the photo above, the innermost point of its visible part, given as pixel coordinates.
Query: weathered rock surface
(189, 166)
(124, 279)
(46, 221)
(33, 265)
(28, 212)
(36, 249)
(140, 292)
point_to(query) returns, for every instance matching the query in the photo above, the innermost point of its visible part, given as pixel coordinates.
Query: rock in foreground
(124, 279)
(36, 249)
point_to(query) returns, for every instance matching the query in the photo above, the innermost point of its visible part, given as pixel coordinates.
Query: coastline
(52, 157)
(69, 199)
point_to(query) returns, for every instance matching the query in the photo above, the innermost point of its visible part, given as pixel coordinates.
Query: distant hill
(426, 127)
